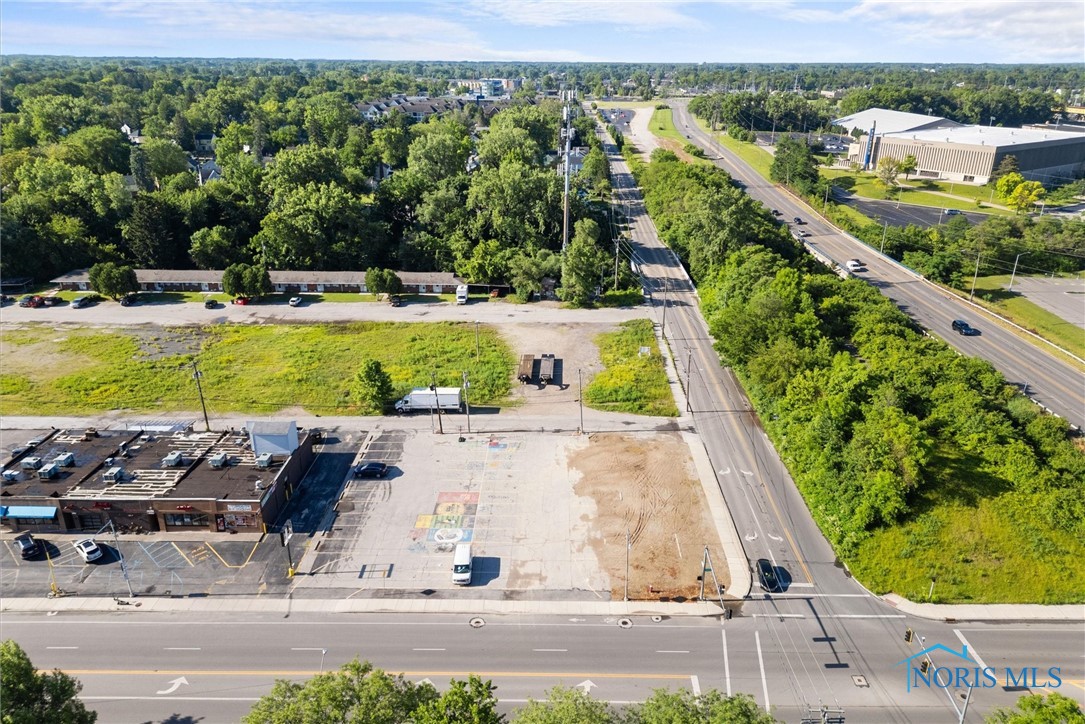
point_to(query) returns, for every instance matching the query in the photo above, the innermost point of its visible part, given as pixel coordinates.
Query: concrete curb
(264, 604)
(1070, 613)
(738, 568)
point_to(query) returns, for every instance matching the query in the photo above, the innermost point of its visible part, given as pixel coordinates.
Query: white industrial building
(944, 149)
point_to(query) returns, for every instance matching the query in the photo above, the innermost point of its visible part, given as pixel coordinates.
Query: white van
(461, 294)
(461, 565)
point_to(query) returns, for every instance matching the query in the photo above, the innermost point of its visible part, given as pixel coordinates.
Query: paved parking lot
(511, 496)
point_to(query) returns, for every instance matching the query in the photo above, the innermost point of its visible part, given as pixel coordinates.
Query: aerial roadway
(1028, 365)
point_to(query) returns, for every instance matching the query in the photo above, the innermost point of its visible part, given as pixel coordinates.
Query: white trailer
(461, 294)
(424, 399)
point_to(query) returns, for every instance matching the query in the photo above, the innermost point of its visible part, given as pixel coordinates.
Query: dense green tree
(140, 170)
(439, 155)
(164, 158)
(382, 281)
(36, 697)
(154, 233)
(1025, 196)
(528, 269)
(1052, 708)
(888, 170)
(465, 702)
(794, 164)
(908, 166)
(563, 706)
(233, 279)
(1007, 165)
(355, 693)
(112, 280)
(102, 150)
(1007, 183)
(510, 143)
(683, 707)
(214, 248)
(299, 167)
(392, 143)
(582, 265)
(371, 388)
(257, 281)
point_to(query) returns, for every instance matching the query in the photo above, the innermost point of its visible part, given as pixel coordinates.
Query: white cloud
(631, 14)
(1015, 30)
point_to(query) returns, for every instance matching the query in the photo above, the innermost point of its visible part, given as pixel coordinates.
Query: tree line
(869, 413)
(340, 192)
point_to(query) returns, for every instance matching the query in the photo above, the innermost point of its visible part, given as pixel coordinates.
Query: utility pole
(884, 232)
(436, 403)
(467, 401)
(626, 565)
(580, 398)
(567, 133)
(1014, 274)
(975, 276)
(199, 388)
(689, 378)
(616, 240)
(666, 288)
(124, 566)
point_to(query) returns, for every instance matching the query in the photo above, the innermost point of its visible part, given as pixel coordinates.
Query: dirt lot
(647, 486)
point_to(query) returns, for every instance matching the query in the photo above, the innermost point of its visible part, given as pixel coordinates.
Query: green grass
(627, 104)
(631, 382)
(916, 191)
(991, 292)
(979, 543)
(258, 369)
(662, 125)
(758, 158)
(622, 298)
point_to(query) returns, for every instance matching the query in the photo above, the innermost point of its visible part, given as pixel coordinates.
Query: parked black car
(371, 470)
(28, 547)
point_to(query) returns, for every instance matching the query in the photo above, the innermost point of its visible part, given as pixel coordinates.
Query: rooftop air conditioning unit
(31, 463)
(264, 461)
(10, 475)
(65, 460)
(114, 474)
(174, 460)
(218, 460)
(49, 471)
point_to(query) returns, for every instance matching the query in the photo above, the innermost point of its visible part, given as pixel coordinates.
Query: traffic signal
(908, 635)
(923, 666)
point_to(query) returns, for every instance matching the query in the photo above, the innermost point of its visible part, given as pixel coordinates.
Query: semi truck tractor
(448, 399)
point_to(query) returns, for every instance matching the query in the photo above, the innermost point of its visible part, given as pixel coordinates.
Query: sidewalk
(987, 612)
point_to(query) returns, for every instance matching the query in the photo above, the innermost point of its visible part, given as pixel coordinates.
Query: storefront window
(192, 520)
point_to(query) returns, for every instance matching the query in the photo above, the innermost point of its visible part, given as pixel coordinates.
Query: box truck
(448, 399)
(461, 294)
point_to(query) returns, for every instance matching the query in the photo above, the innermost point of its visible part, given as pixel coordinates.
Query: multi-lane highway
(1053, 383)
(211, 667)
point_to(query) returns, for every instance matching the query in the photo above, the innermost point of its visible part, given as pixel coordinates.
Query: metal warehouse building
(948, 150)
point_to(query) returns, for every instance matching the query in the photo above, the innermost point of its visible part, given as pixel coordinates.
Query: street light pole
(466, 400)
(666, 288)
(120, 554)
(689, 378)
(884, 232)
(580, 398)
(975, 276)
(199, 388)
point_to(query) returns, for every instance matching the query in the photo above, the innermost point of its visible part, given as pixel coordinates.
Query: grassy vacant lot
(991, 292)
(915, 191)
(977, 544)
(662, 126)
(631, 382)
(244, 368)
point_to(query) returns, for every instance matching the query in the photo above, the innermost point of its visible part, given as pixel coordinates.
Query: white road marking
(182, 648)
(672, 652)
(62, 648)
(310, 648)
(726, 664)
(427, 649)
(761, 663)
(971, 649)
(544, 650)
(696, 685)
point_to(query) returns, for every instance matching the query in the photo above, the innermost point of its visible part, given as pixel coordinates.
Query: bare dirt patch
(647, 486)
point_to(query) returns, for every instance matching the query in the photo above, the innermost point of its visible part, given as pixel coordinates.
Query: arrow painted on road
(725, 472)
(751, 537)
(578, 620)
(176, 685)
(588, 685)
(745, 472)
(774, 537)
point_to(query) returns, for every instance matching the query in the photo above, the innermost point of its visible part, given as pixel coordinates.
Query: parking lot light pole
(1014, 274)
(120, 554)
(466, 400)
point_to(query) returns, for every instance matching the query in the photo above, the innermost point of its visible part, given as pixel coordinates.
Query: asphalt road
(139, 667)
(896, 214)
(1054, 384)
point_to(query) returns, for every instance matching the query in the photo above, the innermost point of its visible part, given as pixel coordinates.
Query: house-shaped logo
(913, 671)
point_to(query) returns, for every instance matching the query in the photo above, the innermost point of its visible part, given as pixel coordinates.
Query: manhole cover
(625, 623)
(477, 622)
(859, 680)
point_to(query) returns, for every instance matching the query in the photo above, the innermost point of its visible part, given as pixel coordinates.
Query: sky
(724, 31)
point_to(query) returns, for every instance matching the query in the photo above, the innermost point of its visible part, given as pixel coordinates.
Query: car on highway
(952, 212)
(371, 469)
(853, 265)
(295, 301)
(804, 233)
(964, 328)
(28, 547)
(775, 212)
(87, 549)
(766, 575)
(799, 221)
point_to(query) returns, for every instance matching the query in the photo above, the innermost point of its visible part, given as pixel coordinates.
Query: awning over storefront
(27, 511)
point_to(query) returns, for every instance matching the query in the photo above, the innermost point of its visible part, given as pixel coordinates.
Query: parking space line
(182, 553)
(247, 559)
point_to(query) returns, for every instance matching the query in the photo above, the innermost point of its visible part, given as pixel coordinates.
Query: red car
(32, 300)
(242, 300)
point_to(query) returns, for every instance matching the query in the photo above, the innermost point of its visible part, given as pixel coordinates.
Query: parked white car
(87, 549)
